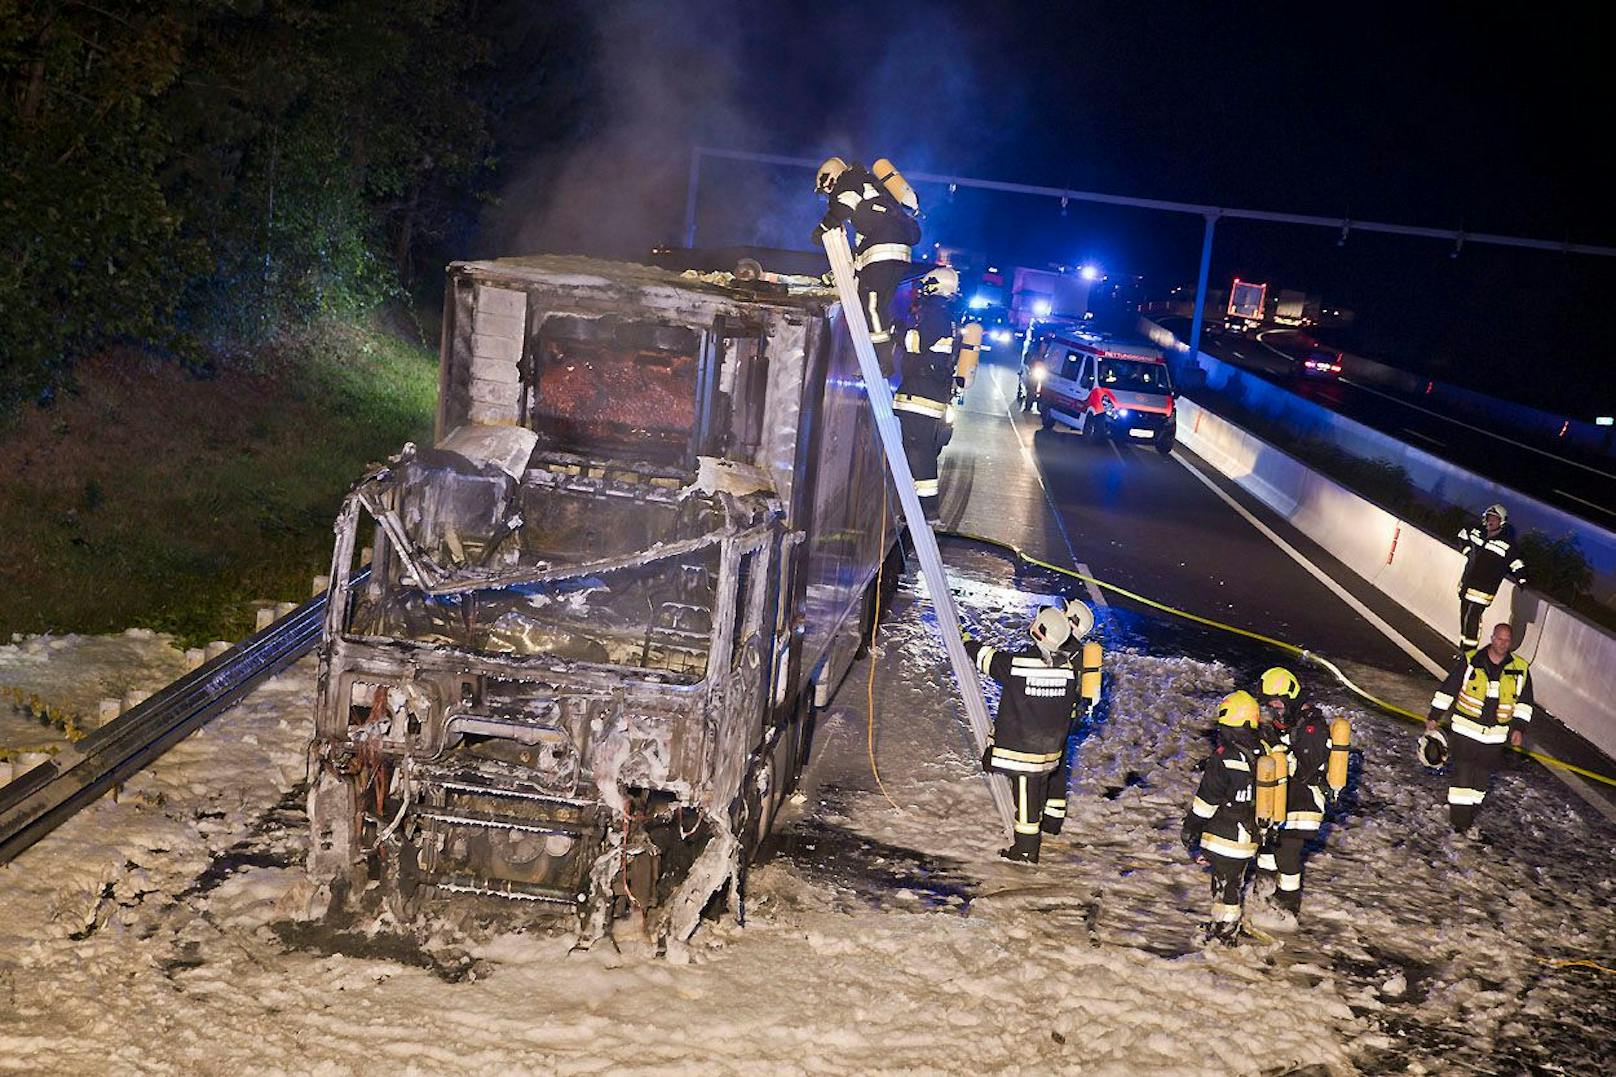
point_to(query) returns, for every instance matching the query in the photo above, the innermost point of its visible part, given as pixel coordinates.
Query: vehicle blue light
(979, 302)
(1040, 309)
(1089, 273)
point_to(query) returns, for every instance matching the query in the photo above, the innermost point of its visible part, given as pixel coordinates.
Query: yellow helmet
(1280, 681)
(1238, 709)
(828, 174)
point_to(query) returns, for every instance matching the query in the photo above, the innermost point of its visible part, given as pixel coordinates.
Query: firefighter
(1490, 554)
(925, 364)
(1290, 722)
(883, 232)
(1487, 699)
(1086, 659)
(1038, 690)
(1222, 819)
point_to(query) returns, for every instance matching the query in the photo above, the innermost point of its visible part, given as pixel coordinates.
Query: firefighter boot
(1024, 849)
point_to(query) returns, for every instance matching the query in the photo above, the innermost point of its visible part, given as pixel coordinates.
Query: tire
(1164, 442)
(1047, 418)
(1093, 430)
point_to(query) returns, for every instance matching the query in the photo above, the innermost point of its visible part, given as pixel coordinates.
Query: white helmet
(1433, 749)
(1080, 617)
(940, 281)
(1050, 629)
(1497, 510)
(828, 174)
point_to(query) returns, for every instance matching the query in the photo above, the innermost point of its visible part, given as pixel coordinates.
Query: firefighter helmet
(940, 281)
(1496, 510)
(1279, 681)
(1433, 749)
(1080, 616)
(1050, 629)
(828, 174)
(1238, 709)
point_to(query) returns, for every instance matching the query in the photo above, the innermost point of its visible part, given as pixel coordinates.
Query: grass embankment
(150, 497)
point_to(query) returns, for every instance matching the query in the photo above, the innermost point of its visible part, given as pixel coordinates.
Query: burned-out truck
(572, 651)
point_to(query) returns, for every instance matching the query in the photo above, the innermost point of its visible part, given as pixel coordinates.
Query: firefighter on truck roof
(1039, 689)
(925, 319)
(1222, 819)
(1490, 555)
(1487, 700)
(883, 231)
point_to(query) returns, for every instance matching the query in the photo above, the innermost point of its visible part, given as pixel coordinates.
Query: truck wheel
(1091, 429)
(1164, 442)
(1047, 418)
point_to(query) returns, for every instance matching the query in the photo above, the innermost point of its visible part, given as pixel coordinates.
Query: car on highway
(1103, 387)
(1317, 362)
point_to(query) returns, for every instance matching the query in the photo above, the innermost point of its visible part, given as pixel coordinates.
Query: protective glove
(1191, 837)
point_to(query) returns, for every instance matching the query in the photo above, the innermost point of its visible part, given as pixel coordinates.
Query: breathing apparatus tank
(1273, 773)
(970, 353)
(888, 176)
(1089, 684)
(1335, 775)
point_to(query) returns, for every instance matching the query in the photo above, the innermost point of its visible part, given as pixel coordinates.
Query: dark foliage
(197, 175)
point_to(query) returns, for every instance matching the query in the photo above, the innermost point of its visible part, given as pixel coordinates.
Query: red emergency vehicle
(1102, 387)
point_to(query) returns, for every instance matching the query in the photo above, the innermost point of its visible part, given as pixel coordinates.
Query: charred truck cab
(572, 651)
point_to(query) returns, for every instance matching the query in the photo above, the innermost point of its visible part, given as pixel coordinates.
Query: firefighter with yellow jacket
(1222, 820)
(1487, 702)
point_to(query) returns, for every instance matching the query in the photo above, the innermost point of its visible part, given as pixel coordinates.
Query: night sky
(1463, 117)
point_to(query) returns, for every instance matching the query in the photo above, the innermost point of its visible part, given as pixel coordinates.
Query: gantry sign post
(1210, 214)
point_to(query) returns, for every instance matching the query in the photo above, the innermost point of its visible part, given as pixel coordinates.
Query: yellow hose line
(1289, 648)
(1577, 963)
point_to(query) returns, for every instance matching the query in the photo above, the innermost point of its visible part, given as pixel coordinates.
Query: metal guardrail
(42, 799)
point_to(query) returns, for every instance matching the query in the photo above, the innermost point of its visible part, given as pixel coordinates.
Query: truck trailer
(573, 650)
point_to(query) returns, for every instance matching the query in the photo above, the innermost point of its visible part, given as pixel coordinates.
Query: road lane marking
(1424, 437)
(1095, 595)
(1585, 501)
(1402, 641)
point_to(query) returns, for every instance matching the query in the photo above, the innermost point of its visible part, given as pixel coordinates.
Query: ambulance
(1103, 387)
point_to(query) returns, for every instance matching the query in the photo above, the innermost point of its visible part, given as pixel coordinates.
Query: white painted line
(1402, 641)
(1236, 354)
(1585, 501)
(1423, 437)
(1038, 473)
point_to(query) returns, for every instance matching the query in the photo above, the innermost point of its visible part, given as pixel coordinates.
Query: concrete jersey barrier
(1573, 660)
(1437, 478)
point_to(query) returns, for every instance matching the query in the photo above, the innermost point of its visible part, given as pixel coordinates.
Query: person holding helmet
(1487, 700)
(925, 366)
(1490, 554)
(1038, 691)
(883, 232)
(1222, 820)
(1086, 659)
(1288, 721)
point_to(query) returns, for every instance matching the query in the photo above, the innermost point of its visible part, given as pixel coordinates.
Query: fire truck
(1101, 387)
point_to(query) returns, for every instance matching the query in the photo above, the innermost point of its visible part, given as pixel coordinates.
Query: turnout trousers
(1471, 768)
(922, 445)
(1472, 608)
(1228, 878)
(1282, 858)
(877, 284)
(1028, 790)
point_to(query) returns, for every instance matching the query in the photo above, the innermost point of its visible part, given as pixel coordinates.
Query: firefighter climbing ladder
(931, 560)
